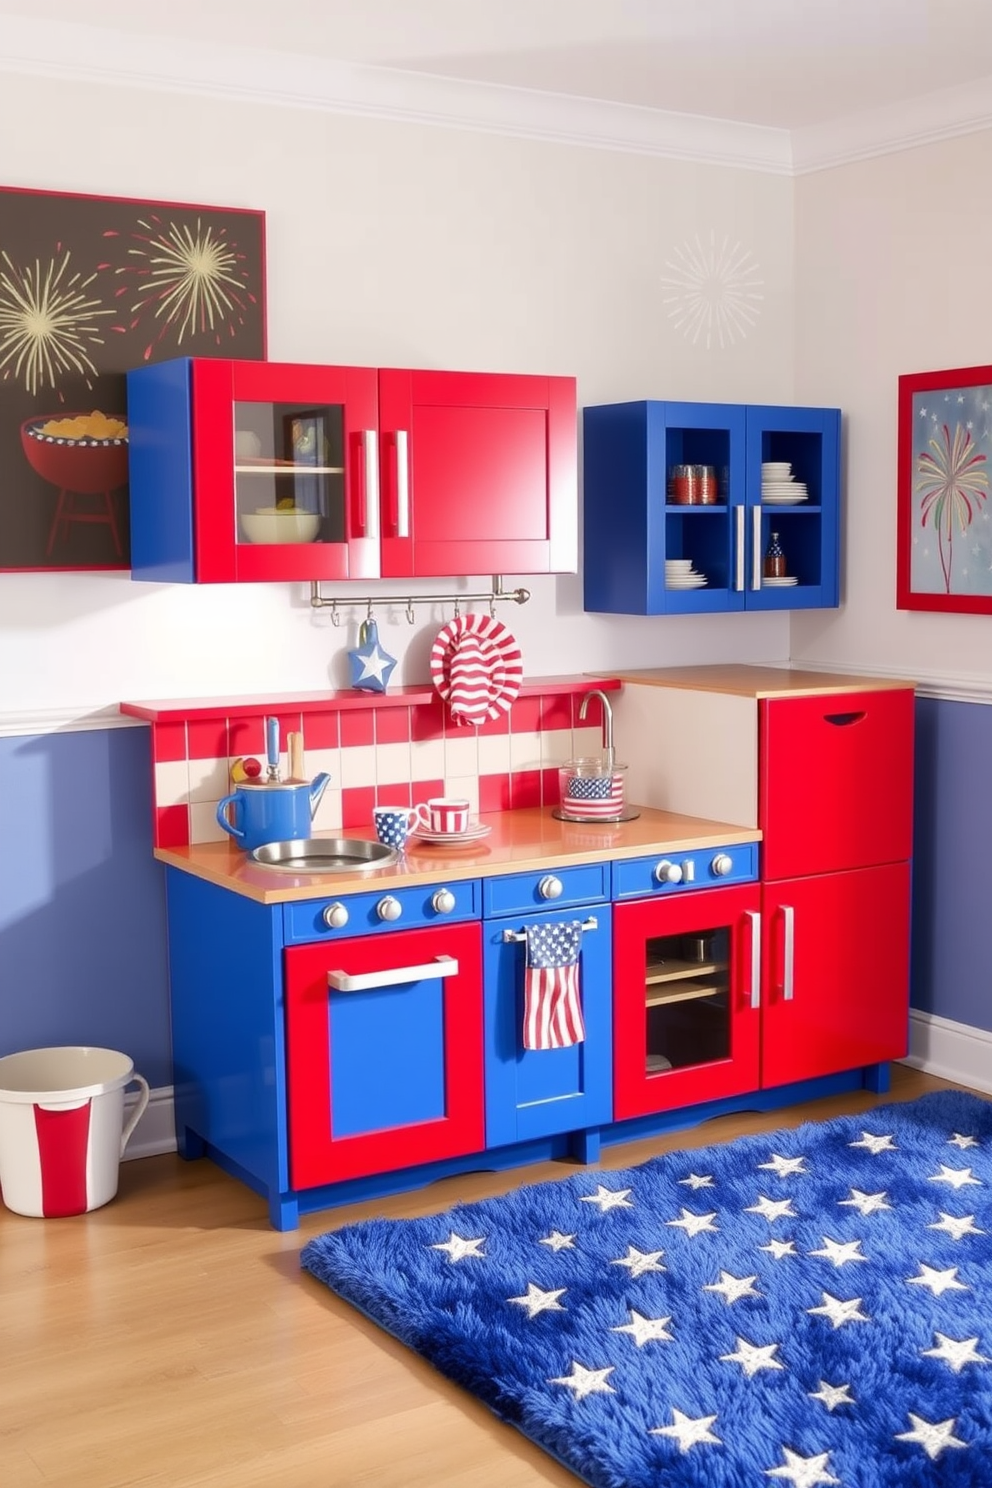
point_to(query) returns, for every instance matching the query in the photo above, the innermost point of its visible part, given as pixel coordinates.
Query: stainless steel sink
(325, 855)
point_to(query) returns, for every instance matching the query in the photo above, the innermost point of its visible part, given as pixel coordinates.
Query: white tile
(392, 764)
(357, 766)
(203, 824)
(427, 759)
(587, 741)
(209, 779)
(172, 783)
(319, 761)
(327, 817)
(461, 756)
(466, 786)
(525, 751)
(494, 754)
(556, 747)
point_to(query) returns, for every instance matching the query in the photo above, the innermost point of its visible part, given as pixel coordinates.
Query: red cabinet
(272, 471)
(384, 1052)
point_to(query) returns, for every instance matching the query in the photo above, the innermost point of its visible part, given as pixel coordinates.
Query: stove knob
(722, 864)
(389, 908)
(335, 916)
(667, 872)
(550, 887)
(443, 901)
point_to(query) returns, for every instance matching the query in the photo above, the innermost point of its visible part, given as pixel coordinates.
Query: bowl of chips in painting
(84, 452)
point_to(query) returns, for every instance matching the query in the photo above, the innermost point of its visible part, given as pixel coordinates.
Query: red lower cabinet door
(836, 972)
(685, 999)
(384, 1052)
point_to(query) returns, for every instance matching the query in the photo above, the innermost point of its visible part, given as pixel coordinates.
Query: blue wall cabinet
(681, 501)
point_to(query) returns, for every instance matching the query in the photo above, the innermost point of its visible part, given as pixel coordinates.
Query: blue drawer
(423, 905)
(705, 868)
(518, 893)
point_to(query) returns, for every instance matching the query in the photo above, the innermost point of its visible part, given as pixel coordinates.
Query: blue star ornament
(371, 666)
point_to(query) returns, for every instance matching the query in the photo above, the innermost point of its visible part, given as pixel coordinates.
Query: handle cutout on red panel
(842, 720)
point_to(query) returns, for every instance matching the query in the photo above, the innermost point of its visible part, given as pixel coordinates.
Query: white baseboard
(952, 1051)
(156, 1131)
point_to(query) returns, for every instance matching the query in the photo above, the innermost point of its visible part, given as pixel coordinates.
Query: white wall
(892, 277)
(409, 245)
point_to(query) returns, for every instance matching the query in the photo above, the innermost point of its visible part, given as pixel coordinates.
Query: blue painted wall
(83, 956)
(82, 900)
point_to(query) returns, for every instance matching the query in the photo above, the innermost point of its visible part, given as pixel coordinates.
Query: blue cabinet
(681, 501)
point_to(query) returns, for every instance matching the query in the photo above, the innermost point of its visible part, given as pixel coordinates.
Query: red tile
(357, 727)
(357, 805)
(525, 789)
(171, 826)
(525, 716)
(207, 738)
(393, 795)
(422, 789)
(427, 720)
(246, 736)
(494, 793)
(500, 725)
(168, 742)
(392, 725)
(321, 730)
(550, 788)
(556, 711)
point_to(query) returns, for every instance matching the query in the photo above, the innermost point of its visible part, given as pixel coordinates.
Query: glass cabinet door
(289, 473)
(686, 999)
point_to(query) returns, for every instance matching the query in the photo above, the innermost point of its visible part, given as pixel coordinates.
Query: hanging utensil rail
(335, 603)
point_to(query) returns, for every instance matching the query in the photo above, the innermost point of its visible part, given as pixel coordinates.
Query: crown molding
(925, 120)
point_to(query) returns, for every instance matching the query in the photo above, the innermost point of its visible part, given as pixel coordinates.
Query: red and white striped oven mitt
(476, 667)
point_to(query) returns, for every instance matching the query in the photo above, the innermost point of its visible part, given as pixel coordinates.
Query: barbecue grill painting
(89, 287)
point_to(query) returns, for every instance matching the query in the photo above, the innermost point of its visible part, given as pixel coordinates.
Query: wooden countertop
(527, 841)
(758, 681)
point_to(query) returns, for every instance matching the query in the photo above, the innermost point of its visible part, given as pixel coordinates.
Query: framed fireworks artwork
(944, 559)
(91, 286)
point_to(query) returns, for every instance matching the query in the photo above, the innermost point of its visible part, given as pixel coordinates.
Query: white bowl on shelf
(270, 525)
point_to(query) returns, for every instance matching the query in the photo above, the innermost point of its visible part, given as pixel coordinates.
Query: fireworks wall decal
(189, 278)
(49, 322)
(951, 486)
(716, 291)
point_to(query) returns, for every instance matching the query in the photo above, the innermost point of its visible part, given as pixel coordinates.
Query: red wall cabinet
(272, 471)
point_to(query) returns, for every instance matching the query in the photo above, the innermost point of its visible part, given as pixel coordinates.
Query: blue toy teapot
(271, 811)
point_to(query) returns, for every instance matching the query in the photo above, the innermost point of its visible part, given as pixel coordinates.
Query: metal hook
(410, 616)
(458, 608)
(368, 615)
(492, 606)
(335, 617)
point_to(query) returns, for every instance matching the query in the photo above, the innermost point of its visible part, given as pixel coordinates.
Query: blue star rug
(811, 1306)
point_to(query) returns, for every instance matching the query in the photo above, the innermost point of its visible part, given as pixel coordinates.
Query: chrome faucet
(607, 722)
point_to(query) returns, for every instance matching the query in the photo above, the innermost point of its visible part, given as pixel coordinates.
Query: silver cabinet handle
(756, 550)
(402, 484)
(550, 887)
(739, 553)
(371, 482)
(442, 966)
(756, 960)
(508, 935)
(789, 972)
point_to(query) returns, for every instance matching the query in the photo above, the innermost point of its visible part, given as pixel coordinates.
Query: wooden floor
(170, 1339)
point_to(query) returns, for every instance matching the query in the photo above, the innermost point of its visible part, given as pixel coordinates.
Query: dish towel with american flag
(552, 1005)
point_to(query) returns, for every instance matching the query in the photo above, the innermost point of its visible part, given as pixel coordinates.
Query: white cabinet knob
(550, 887)
(443, 901)
(722, 864)
(389, 908)
(335, 916)
(667, 872)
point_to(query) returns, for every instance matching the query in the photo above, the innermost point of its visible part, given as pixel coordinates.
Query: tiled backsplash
(393, 751)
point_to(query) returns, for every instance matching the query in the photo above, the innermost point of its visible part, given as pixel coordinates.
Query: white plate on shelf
(783, 500)
(472, 833)
(696, 582)
(781, 583)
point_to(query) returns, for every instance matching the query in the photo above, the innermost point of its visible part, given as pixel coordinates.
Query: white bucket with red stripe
(62, 1131)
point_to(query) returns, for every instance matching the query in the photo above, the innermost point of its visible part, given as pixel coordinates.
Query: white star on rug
(780, 1248)
(537, 1301)
(840, 1312)
(733, 1287)
(956, 1352)
(875, 1144)
(832, 1395)
(639, 1261)
(866, 1202)
(752, 1357)
(586, 1381)
(688, 1431)
(939, 1282)
(959, 1141)
(933, 1436)
(557, 1241)
(645, 1330)
(697, 1180)
(834, 1250)
(956, 1177)
(458, 1248)
(805, 1472)
(773, 1209)
(608, 1198)
(694, 1224)
(784, 1166)
(957, 1226)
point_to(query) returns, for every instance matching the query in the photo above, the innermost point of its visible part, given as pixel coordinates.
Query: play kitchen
(729, 939)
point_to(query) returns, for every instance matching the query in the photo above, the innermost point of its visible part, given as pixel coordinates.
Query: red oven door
(384, 1052)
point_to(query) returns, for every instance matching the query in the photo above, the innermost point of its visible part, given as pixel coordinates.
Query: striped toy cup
(444, 814)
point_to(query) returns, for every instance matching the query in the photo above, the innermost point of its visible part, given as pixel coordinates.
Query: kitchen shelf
(671, 969)
(683, 992)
